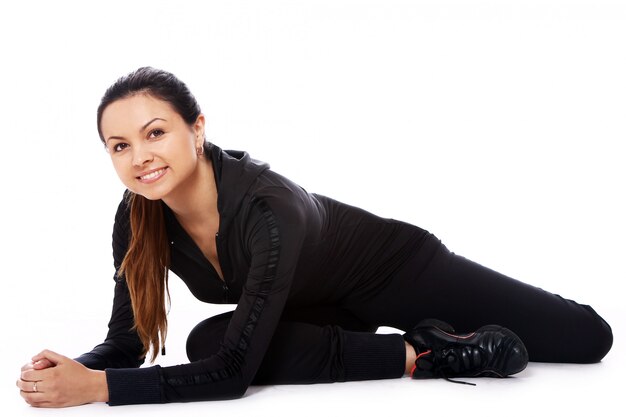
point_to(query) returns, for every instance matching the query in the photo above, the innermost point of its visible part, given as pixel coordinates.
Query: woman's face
(152, 148)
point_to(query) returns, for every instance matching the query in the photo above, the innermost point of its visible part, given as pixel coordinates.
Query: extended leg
(468, 295)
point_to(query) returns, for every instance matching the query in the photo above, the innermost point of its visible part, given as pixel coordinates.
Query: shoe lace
(460, 360)
(458, 381)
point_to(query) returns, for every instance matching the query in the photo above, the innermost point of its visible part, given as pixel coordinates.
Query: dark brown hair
(146, 263)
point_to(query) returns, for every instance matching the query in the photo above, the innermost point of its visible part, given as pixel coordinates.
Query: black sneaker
(491, 351)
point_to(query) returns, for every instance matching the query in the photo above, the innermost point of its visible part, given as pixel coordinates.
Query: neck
(195, 201)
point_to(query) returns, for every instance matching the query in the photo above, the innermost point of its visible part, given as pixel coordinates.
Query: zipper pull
(225, 288)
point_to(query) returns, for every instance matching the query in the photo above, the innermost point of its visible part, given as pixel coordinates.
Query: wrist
(100, 389)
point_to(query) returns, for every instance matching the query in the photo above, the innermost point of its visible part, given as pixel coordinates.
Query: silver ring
(35, 386)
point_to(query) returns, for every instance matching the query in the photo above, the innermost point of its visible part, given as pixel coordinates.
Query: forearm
(112, 354)
(212, 378)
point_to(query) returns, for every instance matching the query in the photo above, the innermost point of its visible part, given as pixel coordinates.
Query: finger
(53, 357)
(33, 399)
(41, 404)
(28, 375)
(34, 374)
(43, 364)
(27, 366)
(44, 404)
(29, 386)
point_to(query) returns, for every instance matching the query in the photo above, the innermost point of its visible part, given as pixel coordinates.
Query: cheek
(179, 147)
(121, 168)
(179, 152)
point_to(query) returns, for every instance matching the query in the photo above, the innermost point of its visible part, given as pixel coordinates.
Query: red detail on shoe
(428, 352)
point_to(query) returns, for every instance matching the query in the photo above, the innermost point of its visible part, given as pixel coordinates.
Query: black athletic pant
(338, 343)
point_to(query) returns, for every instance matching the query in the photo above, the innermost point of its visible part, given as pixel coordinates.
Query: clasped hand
(53, 380)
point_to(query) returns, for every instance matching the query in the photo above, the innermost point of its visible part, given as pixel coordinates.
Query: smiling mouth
(152, 175)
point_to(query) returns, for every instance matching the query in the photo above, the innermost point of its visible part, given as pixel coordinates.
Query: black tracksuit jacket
(279, 247)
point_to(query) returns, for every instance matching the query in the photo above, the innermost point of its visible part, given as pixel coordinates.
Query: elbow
(235, 388)
(227, 391)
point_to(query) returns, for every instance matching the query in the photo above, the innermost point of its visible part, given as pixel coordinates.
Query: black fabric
(288, 256)
(301, 352)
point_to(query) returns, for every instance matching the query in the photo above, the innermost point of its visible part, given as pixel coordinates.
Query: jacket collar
(235, 172)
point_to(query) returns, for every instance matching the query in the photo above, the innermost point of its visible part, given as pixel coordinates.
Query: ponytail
(145, 267)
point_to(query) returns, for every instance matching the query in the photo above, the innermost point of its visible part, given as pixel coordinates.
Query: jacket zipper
(191, 248)
(224, 285)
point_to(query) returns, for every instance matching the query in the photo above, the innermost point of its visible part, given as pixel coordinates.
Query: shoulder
(123, 207)
(121, 227)
(279, 194)
(277, 203)
(122, 215)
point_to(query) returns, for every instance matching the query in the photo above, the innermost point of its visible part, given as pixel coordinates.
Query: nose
(141, 155)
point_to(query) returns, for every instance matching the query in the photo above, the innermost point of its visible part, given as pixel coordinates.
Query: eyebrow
(141, 130)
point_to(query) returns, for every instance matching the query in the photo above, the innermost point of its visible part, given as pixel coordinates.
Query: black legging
(325, 344)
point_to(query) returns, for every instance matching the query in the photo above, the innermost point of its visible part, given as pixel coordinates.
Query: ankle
(411, 357)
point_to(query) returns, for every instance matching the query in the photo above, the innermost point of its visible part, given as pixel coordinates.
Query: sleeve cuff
(373, 356)
(134, 385)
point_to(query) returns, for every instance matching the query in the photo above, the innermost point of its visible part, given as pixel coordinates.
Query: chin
(153, 194)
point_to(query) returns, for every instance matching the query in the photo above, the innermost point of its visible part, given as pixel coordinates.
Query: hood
(234, 173)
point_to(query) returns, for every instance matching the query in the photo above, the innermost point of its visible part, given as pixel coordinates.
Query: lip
(153, 179)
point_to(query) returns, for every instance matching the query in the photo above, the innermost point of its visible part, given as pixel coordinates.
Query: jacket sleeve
(122, 347)
(273, 237)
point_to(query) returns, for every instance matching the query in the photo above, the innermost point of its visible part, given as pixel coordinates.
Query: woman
(312, 278)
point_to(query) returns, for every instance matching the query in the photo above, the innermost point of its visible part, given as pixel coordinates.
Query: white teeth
(152, 174)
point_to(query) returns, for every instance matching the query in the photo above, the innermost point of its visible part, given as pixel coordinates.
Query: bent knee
(205, 339)
(598, 339)
(580, 336)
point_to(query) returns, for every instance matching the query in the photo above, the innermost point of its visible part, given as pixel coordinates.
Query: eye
(119, 147)
(155, 133)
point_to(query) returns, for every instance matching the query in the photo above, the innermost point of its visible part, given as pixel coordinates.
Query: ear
(198, 130)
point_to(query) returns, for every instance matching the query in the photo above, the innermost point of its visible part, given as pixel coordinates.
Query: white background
(497, 125)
